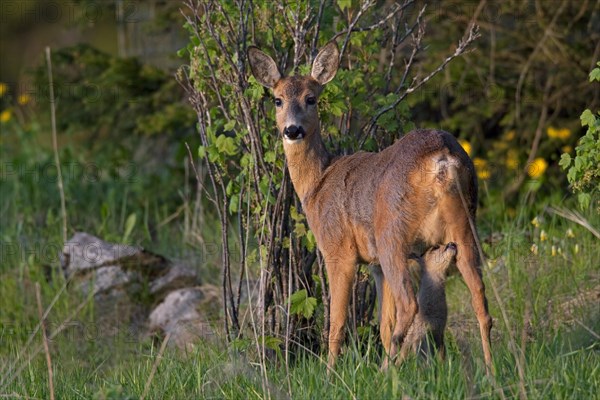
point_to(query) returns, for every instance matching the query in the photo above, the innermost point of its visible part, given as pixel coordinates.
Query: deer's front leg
(341, 275)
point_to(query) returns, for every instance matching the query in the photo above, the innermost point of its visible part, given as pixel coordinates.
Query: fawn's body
(375, 207)
(430, 321)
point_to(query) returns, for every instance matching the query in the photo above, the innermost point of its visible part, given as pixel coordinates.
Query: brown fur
(377, 207)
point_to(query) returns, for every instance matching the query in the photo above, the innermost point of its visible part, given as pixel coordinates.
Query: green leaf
(201, 151)
(595, 75)
(233, 204)
(129, 225)
(296, 216)
(229, 125)
(587, 118)
(584, 200)
(226, 145)
(270, 157)
(271, 342)
(301, 304)
(565, 160)
(300, 229)
(343, 4)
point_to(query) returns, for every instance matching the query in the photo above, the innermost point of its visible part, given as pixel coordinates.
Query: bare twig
(8, 371)
(574, 216)
(463, 44)
(38, 296)
(37, 350)
(163, 346)
(59, 181)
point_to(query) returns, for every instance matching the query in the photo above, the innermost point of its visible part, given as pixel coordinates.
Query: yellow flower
(553, 250)
(534, 249)
(23, 99)
(481, 166)
(570, 233)
(561, 134)
(466, 145)
(537, 167)
(512, 160)
(567, 149)
(510, 135)
(5, 116)
(3, 89)
(576, 249)
(543, 235)
(535, 222)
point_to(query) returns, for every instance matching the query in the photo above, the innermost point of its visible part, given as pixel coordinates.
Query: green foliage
(118, 97)
(583, 171)
(516, 78)
(302, 304)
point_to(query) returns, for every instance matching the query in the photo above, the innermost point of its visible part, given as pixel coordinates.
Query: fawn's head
(296, 96)
(438, 259)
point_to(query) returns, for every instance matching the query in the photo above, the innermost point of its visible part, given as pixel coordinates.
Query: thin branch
(59, 182)
(38, 296)
(163, 346)
(574, 216)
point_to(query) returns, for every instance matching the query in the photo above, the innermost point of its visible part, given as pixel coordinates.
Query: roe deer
(432, 316)
(375, 207)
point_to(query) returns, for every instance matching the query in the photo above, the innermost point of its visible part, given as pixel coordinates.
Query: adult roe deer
(376, 207)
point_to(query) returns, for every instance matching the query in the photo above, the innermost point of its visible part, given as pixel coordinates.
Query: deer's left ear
(326, 63)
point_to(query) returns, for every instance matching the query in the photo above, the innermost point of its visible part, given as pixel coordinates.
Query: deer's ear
(263, 67)
(326, 63)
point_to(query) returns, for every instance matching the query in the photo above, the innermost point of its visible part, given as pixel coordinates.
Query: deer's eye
(278, 102)
(311, 101)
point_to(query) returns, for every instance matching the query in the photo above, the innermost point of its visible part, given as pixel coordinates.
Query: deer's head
(296, 96)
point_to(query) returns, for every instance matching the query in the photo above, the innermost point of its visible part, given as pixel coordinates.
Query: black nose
(293, 132)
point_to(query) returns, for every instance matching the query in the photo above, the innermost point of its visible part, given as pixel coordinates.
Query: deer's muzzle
(294, 132)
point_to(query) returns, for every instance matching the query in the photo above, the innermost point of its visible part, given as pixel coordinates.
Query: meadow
(177, 170)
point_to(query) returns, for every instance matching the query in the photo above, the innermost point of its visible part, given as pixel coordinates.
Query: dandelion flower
(534, 249)
(466, 146)
(482, 168)
(535, 222)
(537, 167)
(3, 89)
(553, 250)
(512, 160)
(5, 116)
(543, 236)
(23, 99)
(562, 134)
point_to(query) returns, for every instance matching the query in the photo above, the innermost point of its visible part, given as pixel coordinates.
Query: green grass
(557, 346)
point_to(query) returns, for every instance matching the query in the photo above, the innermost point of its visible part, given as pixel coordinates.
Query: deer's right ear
(263, 67)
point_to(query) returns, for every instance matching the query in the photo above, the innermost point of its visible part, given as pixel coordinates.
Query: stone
(179, 316)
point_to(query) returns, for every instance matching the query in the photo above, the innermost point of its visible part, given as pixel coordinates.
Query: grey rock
(179, 316)
(127, 281)
(178, 276)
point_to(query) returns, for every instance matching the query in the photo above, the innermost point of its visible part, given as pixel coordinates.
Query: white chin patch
(294, 141)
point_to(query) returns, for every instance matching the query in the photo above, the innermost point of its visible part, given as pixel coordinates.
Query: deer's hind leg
(458, 230)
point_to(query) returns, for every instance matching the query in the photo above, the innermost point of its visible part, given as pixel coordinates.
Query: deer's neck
(307, 162)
